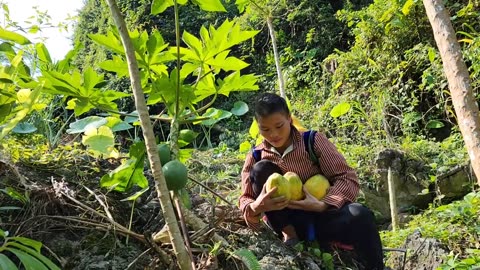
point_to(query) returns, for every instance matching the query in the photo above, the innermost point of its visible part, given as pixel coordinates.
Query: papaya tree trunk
(278, 64)
(458, 78)
(183, 258)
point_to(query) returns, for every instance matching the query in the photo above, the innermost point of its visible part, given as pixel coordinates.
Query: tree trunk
(163, 194)
(458, 78)
(278, 65)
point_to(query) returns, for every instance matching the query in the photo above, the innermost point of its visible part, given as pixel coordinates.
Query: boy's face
(275, 128)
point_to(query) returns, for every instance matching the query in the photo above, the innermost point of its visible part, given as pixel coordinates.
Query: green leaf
(27, 101)
(12, 36)
(248, 258)
(8, 208)
(245, 147)
(99, 140)
(82, 125)
(185, 198)
(254, 131)
(14, 194)
(24, 128)
(117, 65)
(129, 173)
(431, 55)
(215, 116)
(28, 242)
(159, 6)
(110, 41)
(185, 154)
(116, 124)
(6, 263)
(35, 253)
(28, 261)
(43, 53)
(242, 5)
(125, 176)
(340, 109)
(135, 195)
(239, 108)
(435, 124)
(210, 5)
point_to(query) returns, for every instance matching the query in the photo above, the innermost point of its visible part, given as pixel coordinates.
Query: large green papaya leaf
(129, 173)
(100, 141)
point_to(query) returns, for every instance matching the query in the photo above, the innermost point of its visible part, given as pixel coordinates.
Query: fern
(248, 258)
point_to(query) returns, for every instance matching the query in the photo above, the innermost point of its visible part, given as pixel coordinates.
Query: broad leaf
(43, 53)
(6, 263)
(12, 36)
(116, 65)
(135, 195)
(110, 41)
(239, 108)
(210, 5)
(28, 261)
(99, 140)
(159, 6)
(116, 124)
(24, 128)
(82, 125)
(340, 109)
(215, 116)
(34, 252)
(435, 124)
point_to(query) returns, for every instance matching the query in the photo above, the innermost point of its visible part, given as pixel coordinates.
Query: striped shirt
(343, 179)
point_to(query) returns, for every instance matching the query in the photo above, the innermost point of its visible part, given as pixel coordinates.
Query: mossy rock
(176, 174)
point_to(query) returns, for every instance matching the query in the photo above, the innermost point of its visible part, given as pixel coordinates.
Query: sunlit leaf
(99, 140)
(116, 124)
(340, 109)
(117, 65)
(82, 125)
(12, 36)
(254, 131)
(43, 53)
(435, 124)
(245, 147)
(210, 5)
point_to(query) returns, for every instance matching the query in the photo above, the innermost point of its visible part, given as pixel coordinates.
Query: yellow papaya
(318, 186)
(278, 181)
(295, 185)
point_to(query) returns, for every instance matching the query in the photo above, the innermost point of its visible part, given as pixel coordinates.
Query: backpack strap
(257, 154)
(309, 140)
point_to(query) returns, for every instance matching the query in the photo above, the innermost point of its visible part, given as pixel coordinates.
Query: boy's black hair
(268, 103)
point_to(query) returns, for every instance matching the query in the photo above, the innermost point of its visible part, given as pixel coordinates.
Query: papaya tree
(456, 71)
(265, 9)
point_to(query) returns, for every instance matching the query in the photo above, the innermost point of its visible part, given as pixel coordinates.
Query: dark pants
(352, 224)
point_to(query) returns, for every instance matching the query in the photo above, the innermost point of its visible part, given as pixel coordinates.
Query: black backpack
(308, 139)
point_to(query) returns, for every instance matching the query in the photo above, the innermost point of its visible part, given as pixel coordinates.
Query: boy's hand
(310, 203)
(265, 202)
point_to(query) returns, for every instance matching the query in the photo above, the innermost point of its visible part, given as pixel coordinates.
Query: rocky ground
(70, 216)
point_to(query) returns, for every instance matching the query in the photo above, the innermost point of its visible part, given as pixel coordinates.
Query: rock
(456, 183)
(424, 253)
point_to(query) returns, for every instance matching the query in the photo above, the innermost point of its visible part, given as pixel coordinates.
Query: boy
(335, 217)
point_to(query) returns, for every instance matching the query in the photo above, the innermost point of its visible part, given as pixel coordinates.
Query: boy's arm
(345, 186)
(248, 197)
